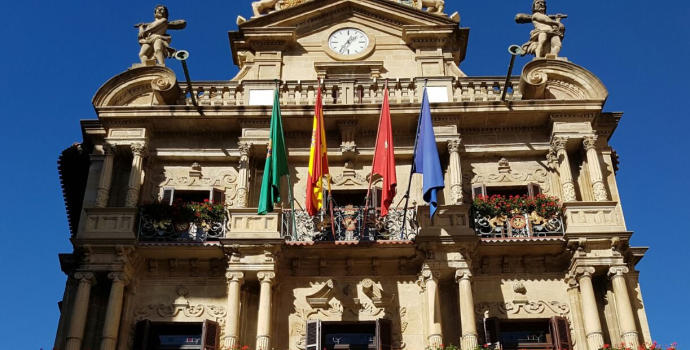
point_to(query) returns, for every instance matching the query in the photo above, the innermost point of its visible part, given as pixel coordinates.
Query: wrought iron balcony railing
(168, 230)
(350, 225)
(518, 225)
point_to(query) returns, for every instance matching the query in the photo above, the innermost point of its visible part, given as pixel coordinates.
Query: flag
(426, 160)
(318, 161)
(276, 162)
(384, 156)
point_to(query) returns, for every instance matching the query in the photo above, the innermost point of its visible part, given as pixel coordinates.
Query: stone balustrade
(355, 91)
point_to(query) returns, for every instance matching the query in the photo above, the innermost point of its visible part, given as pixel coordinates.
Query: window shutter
(141, 335)
(533, 189)
(478, 190)
(383, 334)
(314, 335)
(492, 330)
(168, 195)
(560, 333)
(217, 196)
(210, 336)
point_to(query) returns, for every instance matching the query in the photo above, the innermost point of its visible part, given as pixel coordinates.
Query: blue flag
(426, 160)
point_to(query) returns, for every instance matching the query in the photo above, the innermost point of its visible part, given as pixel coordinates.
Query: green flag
(276, 162)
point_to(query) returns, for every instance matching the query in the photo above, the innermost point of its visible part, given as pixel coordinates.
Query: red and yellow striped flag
(318, 161)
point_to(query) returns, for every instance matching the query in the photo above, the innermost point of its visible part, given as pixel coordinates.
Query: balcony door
(366, 335)
(546, 334)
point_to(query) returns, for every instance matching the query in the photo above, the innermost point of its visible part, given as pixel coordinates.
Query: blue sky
(56, 54)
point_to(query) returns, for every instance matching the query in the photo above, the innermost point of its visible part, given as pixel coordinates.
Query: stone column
(567, 183)
(232, 322)
(455, 171)
(590, 311)
(576, 312)
(468, 322)
(243, 175)
(626, 318)
(429, 282)
(263, 324)
(595, 174)
(106, 177)
(114, 311)
(134, 185)
(80, 310)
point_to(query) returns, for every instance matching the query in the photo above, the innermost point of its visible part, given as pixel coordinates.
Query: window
(171, 195)
(551, 333)
(349, 335)
(176, 336)
(530, 190)
(342, 198)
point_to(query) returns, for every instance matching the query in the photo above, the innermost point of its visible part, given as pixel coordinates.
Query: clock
(348, 42)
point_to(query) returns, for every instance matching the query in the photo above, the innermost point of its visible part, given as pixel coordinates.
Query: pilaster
(232, 323)
(468, 322)
(134, 184)
(105, 180)
(428, 279)
(245, 149)
(455, 170)
(566, 175)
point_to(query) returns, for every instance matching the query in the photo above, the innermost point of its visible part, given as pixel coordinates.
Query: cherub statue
(432, 6)
(154, 41)
(547, 35)
(262, 7)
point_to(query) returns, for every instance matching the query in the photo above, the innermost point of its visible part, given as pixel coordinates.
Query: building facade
(156, 266)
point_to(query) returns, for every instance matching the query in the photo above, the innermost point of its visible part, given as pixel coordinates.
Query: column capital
(616, 271)
(85, 277)
(462, 274)
(266, 276)
(583, 271)
(120, 276)
(138, 149)
(558, 143)
(571, 281)
(108, 149)
(589, 142)
(454, 145)
(234, 276)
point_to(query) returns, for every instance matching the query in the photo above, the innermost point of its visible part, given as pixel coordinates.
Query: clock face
(348, 41)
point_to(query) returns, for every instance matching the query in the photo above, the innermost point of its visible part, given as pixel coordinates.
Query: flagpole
(373, 159)
(291, 198)
(412, 169)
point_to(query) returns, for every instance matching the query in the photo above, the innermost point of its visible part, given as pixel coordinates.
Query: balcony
(348, 92)
(517, 217)
(182, 222)
(350, 225)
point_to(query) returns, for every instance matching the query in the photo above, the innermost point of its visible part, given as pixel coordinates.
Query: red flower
(607, 346)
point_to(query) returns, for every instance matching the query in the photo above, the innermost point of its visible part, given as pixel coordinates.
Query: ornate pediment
(296, 43)
(560, 79)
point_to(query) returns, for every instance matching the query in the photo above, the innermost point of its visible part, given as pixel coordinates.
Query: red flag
(318, 161)
(384, 156)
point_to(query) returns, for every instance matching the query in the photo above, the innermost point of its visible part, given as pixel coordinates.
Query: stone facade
(258, 282)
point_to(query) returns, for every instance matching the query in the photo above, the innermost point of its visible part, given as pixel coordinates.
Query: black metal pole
(514, 50)
(189, 82)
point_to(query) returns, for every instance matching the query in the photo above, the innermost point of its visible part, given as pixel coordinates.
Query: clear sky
(55, 55)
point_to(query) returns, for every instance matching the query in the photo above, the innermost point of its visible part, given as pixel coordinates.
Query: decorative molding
(523, 307)
(181, 306)
(539, 176)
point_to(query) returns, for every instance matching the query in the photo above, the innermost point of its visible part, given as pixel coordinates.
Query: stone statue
(432, 6)
(154, 41)
(263, 7)
(546, 37)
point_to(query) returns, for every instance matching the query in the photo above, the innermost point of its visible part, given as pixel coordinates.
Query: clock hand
(346, 44)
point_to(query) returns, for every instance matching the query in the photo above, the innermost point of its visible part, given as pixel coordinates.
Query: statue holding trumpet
(546, 38)
(153, 37)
